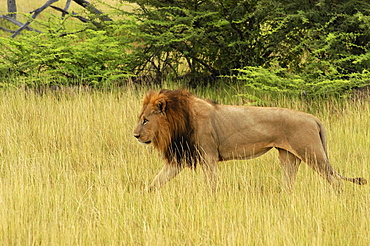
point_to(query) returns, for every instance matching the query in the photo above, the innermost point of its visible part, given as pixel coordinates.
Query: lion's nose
(136, 135)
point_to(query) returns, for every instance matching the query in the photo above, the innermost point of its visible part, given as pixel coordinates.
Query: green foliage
(88, 56)
(209, 37)
(314, 47)
(282, 81)
(324, 38)
(263, 79)
(322, 44)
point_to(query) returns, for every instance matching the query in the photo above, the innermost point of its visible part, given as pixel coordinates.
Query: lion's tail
(323, 138)
(359, 180)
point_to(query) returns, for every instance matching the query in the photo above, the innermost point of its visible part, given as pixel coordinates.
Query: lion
(190, 131)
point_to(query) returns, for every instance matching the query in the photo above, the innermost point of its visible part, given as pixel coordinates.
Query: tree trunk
(12, 9)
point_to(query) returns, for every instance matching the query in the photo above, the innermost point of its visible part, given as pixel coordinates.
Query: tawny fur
(189, 131)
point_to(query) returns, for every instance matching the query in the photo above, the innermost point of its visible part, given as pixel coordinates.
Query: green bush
(281, 81)
(311, 47)
(208, 37)
(89, 56)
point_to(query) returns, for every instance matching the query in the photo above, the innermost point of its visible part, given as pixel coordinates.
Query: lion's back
(232, 126)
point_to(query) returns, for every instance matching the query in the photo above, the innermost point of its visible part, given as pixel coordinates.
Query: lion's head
(165, 121)
(152, 116)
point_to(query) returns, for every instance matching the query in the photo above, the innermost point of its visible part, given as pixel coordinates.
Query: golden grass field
(71, 173)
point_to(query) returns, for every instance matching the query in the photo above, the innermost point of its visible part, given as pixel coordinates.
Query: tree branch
(92, 9)
(18, 23)
(64, 12)
(36, 12)
(68, 3)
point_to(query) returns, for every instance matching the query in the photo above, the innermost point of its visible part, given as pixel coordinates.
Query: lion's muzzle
(137, 136)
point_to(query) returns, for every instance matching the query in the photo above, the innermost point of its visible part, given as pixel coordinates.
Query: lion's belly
(240, 152)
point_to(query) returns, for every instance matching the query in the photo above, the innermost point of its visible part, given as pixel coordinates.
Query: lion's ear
(160, 105)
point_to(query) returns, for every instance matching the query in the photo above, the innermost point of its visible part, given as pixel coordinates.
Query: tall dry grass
(71, 173)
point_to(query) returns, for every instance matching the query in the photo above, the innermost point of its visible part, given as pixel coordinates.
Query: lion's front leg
(168, 172)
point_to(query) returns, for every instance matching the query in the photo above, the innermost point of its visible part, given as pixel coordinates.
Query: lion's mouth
(144, 142)
(147, 142)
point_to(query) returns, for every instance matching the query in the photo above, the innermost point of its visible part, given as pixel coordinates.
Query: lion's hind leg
(326, 171)
(317, 159)
(289, 164)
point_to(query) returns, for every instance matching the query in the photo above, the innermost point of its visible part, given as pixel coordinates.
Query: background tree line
(310, 46)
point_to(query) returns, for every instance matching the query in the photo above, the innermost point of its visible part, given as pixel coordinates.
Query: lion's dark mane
(181, 148)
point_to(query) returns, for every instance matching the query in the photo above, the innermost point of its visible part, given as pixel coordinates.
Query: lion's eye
(145, 121)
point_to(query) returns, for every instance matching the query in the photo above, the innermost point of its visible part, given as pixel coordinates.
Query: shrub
(89, 56)
(315, 47)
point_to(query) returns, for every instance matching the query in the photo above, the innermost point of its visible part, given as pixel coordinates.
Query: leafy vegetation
(87, 56)
(280, 80)
(318, 47)
(313, 47)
